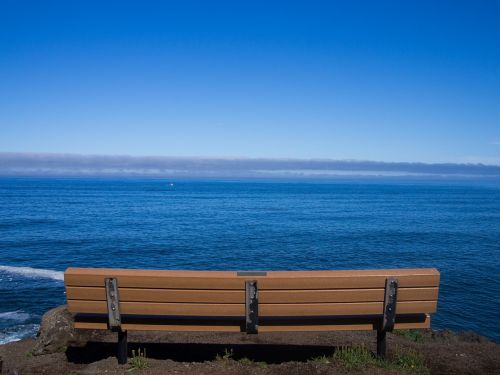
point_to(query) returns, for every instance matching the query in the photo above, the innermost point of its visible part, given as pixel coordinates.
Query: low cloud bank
(32, 164)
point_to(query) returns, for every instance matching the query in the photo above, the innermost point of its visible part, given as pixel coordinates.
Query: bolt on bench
(251, 302)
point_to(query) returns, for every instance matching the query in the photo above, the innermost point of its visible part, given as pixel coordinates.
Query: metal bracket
(252, 307)
(390, 299)
(113, 300)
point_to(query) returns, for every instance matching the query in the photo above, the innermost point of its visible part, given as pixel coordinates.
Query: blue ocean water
(47, 225)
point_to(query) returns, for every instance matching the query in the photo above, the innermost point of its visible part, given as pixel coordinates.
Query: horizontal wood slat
(195, 309)
(265, 296)
(274, 326)
(160, 327)
(269, 274)
(295, 328)
(273, 280)
(335, 327)
(355, 308)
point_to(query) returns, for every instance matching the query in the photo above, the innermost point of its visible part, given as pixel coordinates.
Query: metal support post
(389, 315)
(252, 307)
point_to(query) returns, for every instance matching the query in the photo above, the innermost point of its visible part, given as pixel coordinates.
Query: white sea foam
(17, 333)
(35, 273)
(18, 315)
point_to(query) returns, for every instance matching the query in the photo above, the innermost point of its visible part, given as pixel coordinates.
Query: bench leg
(381, 341)
(121, 353)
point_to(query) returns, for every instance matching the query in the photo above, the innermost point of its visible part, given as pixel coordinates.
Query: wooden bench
(251, 302)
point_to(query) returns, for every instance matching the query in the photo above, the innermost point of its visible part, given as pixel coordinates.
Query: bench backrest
(285, 297)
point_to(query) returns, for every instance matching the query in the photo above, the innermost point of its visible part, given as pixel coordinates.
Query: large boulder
(57, 332)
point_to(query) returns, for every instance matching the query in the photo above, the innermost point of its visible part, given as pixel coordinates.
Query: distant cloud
(487, 160)
(495, 143)
(25, 164)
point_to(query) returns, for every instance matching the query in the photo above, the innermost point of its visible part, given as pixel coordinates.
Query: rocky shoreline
(59, 349)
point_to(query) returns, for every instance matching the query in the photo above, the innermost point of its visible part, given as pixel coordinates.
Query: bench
(251, 302)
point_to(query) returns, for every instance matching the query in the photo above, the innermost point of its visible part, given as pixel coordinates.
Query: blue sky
(387, 81)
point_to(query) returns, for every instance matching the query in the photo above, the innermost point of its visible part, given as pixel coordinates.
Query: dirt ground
(270, 353)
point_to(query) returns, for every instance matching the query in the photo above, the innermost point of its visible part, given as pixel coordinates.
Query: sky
(390, 81)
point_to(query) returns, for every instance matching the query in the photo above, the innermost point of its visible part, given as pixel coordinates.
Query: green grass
(352, 358)
(411, 334)
(262, 364)
(138, 361)
(355, 357)
(322, 359)
(410, 360)
(358, 357)
(228, 354)
(248, 362)
(245, 361)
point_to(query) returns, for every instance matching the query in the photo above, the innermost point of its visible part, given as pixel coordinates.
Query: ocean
(49, 224)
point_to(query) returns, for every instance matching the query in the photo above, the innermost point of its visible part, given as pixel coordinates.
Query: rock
(465, 336)
(443, 335)
(56, 331)
(469, 336)
(98, 367)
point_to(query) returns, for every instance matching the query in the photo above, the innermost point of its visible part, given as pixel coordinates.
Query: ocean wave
(12, 223)
(17, 333)
(35, 273)
(18, 315)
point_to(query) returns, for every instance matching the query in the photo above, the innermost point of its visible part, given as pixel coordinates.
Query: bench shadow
(191, 352)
